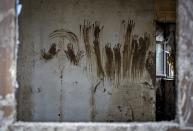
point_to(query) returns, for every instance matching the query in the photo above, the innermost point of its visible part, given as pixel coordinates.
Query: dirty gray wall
(7, 80)
(84, 60)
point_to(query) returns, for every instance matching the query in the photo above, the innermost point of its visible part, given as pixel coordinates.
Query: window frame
(163, 74)
(183, 79)
(165, 67)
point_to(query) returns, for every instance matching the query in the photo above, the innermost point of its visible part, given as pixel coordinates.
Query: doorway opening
(165, 71)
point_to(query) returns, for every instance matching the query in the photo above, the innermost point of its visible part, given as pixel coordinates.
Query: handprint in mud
(123, 60)
(50, 53)
(65, 41)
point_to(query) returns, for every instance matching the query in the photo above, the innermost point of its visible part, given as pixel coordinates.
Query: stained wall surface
(85, 60)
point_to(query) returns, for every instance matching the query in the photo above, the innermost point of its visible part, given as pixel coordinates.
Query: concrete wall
(7, 77)
(84, 60)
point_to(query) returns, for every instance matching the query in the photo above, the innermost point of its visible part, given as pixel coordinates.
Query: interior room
(96, 61)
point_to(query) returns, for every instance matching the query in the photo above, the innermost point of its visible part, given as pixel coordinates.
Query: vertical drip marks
(61, 115)
(109, 61)
(150, 65)
(126, 46)
(144, 43)
(140, 47)
(134, 52)
(86, 29)
(135, 56)
(91, 32)
(96, 43)
(117, 54)
(125, 60)
(72, 57)
(93, 104)
(97, 30)
(70, 54)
